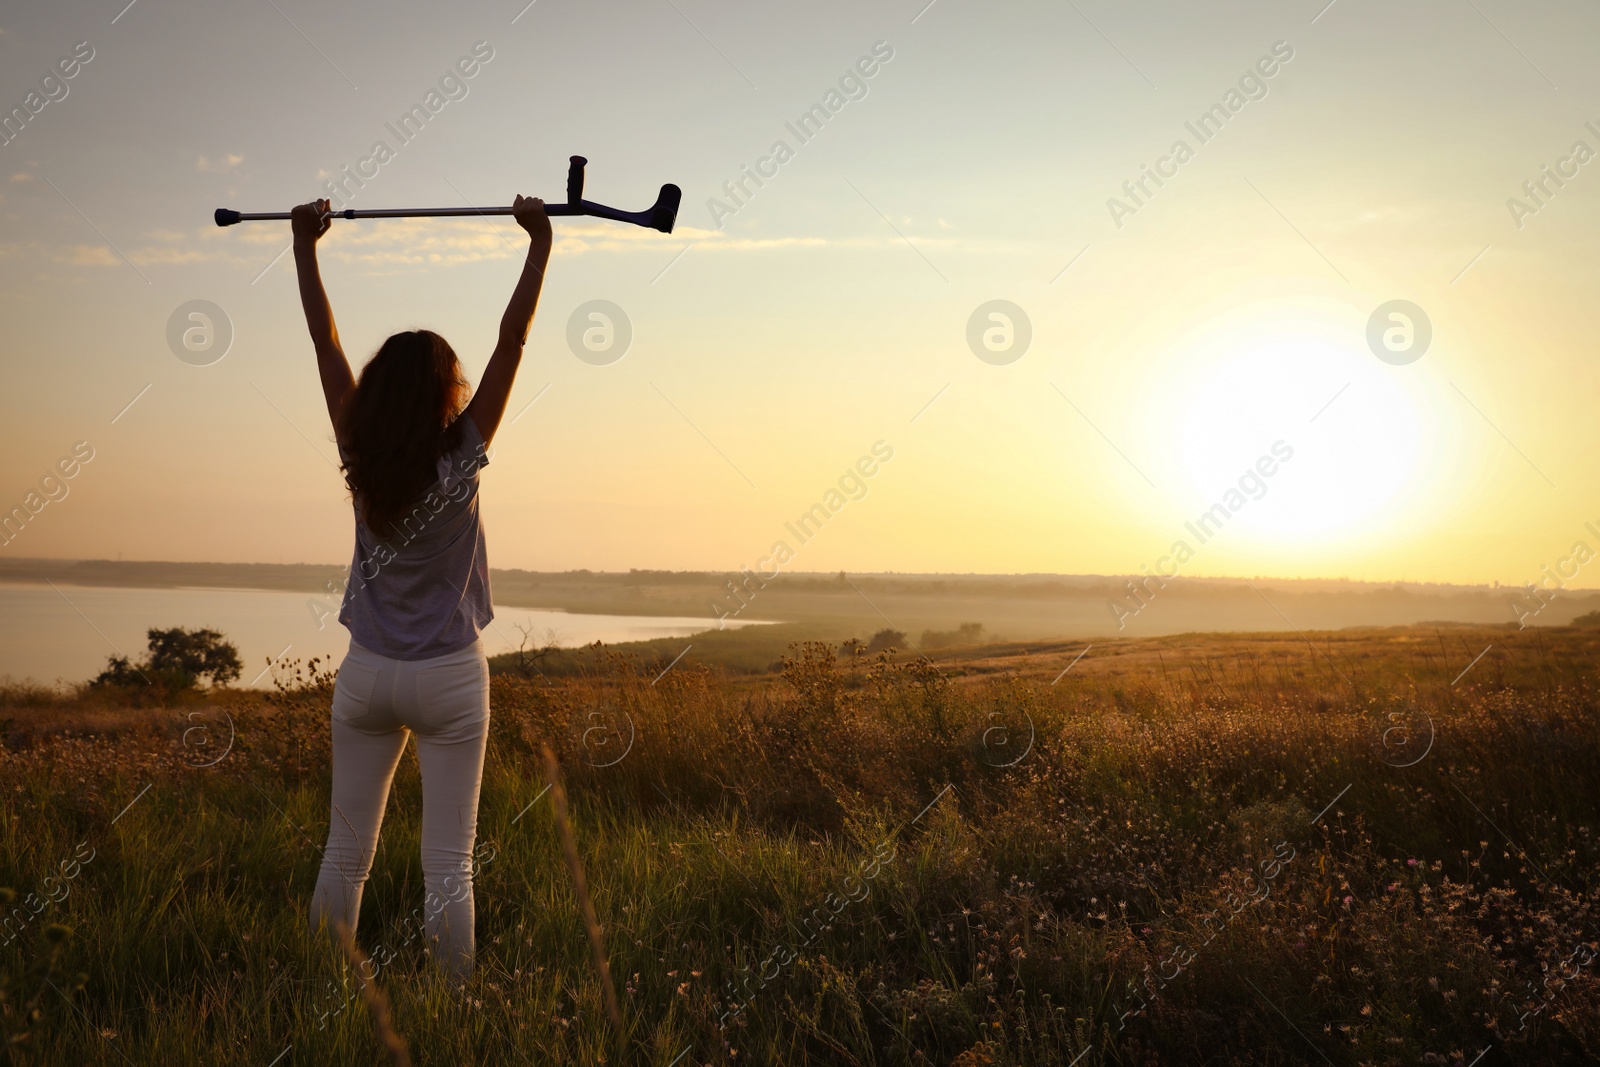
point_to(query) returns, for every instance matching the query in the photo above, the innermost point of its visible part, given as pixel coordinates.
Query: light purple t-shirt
(424, 591)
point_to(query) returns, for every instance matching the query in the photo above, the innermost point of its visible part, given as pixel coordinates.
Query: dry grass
(1193, 850)
(372, 996)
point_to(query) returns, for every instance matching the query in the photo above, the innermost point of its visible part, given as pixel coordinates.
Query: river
(65, 633)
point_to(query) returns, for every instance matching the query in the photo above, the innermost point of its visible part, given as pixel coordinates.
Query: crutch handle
(575, 181)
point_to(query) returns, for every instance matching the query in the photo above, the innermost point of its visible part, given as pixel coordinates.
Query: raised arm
(488, 404)
(310, 221)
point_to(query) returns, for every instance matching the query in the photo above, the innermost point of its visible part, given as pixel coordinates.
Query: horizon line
(1492, 585)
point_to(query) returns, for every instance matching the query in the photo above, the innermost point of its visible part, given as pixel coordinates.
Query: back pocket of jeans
(352, 692)
(452, 700)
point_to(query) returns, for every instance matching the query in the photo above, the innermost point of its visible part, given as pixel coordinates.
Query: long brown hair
(401, 418)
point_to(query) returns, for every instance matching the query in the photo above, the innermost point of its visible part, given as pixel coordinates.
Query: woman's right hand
(529, 213)
(310, 221)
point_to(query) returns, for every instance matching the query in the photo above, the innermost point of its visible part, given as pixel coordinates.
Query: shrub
(968, 633)
(886, 641)
(178, 659)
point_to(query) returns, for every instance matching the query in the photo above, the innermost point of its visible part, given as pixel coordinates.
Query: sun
(1304, 437)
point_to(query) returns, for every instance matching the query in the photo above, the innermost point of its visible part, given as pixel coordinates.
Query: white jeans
(377, 703)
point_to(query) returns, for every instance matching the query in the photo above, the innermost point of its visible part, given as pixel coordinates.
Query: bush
(886, 641)
(968, 633)
(178, 659)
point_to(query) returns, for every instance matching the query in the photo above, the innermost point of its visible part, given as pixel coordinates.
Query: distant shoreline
(306, 575)
(1007, 606)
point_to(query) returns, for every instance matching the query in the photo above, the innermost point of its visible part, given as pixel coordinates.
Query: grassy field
(1357, 847)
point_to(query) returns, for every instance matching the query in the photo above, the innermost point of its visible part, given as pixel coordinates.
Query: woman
(418, 593)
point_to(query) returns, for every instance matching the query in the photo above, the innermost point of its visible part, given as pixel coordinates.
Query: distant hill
(1008, 607)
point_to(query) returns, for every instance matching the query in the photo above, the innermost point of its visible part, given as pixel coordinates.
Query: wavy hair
(403, 415)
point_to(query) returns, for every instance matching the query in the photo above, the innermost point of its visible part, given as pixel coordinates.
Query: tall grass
(1242, 854)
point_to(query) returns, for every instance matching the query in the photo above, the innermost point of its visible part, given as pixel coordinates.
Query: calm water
(66, 634)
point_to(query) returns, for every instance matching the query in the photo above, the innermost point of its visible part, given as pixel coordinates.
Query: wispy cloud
(394, 245)
(87, 256)
(220, 165)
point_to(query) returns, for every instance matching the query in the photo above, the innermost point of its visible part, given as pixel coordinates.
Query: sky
(1225, 342)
